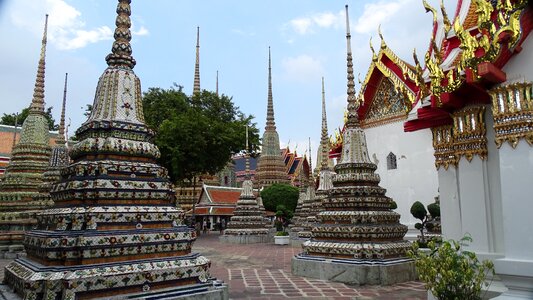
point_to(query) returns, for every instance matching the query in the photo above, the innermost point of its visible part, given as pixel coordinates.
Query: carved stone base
(354, 272)
(181, 277)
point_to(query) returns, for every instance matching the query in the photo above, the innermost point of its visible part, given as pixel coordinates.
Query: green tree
(18, 119)
(198, 134)
(280, 195)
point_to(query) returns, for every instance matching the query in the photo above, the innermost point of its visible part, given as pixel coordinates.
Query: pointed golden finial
(37, 102)
(383, 44)
(374, 56)
(429, 8)
(445, 19)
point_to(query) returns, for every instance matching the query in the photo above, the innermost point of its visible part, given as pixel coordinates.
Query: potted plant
(450, 272)
(281, 238)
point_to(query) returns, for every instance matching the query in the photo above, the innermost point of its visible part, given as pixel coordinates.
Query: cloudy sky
(307, 38)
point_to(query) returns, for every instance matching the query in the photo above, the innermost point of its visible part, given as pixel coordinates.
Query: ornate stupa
(358, 239)
(113, 230)
(247, 225)
(59, 158)
(324, 180)
(24, 174)
(270, 168)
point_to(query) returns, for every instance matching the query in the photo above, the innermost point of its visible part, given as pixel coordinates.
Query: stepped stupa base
(184, 277)
(245, 239)
(354, 271)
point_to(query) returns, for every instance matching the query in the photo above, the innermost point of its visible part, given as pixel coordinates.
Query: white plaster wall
(519, 66)
(450, 203)
(517, 179)
(415, 178)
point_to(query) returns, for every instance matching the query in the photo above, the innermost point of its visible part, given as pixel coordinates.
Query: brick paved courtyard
(263, 271)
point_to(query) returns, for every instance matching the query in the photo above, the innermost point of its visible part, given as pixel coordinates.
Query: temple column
(512, 107)
(470, 192)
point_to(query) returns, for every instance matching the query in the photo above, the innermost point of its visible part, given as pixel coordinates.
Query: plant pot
(281, 240)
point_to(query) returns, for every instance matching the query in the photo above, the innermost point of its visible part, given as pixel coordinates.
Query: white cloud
(329, 19)
(307, 24)
(66, 28)
(375, 14)
(142, 31)
(301, 25)
(302, 68)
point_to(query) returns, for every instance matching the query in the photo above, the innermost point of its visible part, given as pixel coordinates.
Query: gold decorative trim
(443, 144)
(470, 133)
(465, 137)
(512, 109)
(496, 32)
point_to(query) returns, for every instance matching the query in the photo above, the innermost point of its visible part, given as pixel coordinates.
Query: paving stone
(263, 271)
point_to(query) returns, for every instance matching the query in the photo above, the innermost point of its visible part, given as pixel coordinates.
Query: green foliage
(278, 223)
(419, 226)
(393, 204)
(197, 134)
(11, 119)
(282, 233)
(88, 110)
(419, 211)
(280, 194)
(434, 210)
(450, 272)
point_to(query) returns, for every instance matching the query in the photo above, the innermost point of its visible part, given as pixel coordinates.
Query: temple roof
(387, 79)
(466, 57)
(220, 195)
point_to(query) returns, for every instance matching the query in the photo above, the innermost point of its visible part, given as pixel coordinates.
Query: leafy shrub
(282, 233)
(450, 272)
(393, 205)
(434, 210)
(418, 210)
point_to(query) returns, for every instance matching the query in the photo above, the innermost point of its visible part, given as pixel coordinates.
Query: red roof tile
(221, 196)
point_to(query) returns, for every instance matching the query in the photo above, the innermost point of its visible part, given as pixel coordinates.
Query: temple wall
(415, 178)
(516, 173)
(520, 65)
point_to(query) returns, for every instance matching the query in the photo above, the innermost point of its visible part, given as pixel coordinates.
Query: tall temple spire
(120, 55)
(247, 156)
(310, 161)
(217, 84)
(196, 87)
(270, 167)
(61, 134)
(324, 140)
(353, 119)
(270, 123)
(354, 148)
(37, 103)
